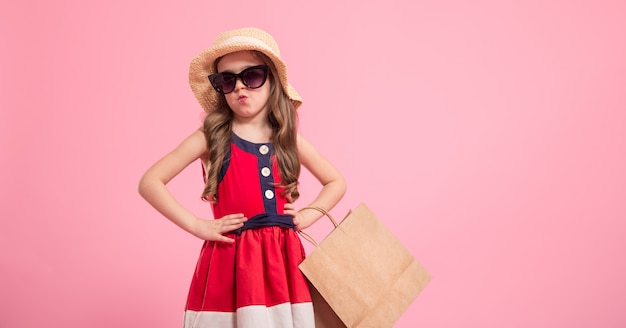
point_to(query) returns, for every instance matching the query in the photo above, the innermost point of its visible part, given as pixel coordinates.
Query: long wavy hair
(283, 120)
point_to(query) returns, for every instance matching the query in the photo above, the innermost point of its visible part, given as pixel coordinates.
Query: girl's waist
(267, 220)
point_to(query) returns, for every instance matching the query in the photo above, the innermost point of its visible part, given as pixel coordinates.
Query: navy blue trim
(263, 160)
(267, 184)
(267, 220)
(252, 147)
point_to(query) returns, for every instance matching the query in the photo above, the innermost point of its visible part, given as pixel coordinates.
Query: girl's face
(246, 103)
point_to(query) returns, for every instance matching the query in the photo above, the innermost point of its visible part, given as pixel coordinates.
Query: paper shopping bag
(361, 274)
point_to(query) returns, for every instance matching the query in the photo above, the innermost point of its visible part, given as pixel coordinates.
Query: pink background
(489, 136)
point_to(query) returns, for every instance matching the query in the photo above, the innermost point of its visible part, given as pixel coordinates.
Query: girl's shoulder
(195, 145)
(305, 147)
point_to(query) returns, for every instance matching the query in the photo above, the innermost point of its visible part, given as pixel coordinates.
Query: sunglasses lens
(254, 77)
(223, 83)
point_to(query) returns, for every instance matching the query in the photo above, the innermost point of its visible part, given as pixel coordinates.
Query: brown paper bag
(360, 274)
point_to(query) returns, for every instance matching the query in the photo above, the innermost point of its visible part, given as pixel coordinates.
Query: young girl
(251, 153)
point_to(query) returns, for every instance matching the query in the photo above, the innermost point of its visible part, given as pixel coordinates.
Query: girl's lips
(242, 99)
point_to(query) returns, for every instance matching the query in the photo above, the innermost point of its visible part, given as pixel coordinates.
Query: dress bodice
(248, 181)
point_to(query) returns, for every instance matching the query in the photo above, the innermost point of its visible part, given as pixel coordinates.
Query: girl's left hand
(299, 219)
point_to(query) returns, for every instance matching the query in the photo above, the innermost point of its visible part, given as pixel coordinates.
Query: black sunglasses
(252, 77)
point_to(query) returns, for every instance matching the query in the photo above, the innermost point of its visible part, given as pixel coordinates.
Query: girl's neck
(252, 131)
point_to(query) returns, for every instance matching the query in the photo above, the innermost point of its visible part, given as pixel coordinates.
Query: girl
(247, 274)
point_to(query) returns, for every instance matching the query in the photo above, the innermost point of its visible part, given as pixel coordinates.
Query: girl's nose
(239, 84)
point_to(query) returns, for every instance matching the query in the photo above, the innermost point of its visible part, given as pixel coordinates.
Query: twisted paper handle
(323, 211)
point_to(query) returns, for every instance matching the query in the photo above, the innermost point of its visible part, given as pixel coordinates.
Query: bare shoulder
(315, 162)
(308, 153)
(196, 139)
(191, 148)
(194, 145)
(305, 148)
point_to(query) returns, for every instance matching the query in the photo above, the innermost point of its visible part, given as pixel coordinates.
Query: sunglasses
(252, 77)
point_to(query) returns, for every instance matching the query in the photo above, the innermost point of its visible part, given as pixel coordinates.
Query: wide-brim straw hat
(249, 38)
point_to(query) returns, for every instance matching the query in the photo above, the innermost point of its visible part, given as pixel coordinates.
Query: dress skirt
(253, 282)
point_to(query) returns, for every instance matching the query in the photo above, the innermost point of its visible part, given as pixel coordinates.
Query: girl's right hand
(213, 230)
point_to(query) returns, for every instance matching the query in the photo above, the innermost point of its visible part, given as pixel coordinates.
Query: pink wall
(490, 137)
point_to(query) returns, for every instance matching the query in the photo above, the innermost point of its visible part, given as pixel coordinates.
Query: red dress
(254, 282)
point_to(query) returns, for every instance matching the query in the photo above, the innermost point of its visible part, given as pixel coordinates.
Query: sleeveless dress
(255, 281)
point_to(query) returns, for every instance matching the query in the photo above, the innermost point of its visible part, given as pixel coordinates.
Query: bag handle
(323, 211)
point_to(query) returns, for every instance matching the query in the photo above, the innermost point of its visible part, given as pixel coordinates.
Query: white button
(266, 171)
(269, 194)
(264, 149)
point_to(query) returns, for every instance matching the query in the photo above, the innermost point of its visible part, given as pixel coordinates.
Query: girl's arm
(152, 188)
(333, 184)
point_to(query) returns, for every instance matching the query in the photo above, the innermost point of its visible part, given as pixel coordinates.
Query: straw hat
(232, 41)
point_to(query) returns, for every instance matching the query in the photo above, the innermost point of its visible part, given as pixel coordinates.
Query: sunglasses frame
(240, 76)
